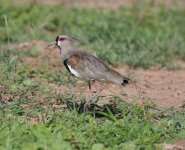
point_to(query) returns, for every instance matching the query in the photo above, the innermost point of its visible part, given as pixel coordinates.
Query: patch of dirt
(180, 143)
(105, 4)
(163, 87)
(173, 147)
(47, 55)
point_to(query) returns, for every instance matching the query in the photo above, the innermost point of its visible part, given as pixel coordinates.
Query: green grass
(129, 127)
(139, 37)
(24, 98)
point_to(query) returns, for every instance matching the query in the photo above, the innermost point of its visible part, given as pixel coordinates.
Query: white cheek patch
(58, 43)
(75, 73)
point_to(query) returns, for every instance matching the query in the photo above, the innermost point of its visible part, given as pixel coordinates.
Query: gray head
(65, 44)
(63, 41)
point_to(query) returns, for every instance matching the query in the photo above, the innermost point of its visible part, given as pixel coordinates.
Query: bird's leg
(90, 89)
(98, 87)
(86, 105)
(89, 84)
(91, 96)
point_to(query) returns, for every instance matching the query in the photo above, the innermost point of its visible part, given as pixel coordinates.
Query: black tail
(125, 81)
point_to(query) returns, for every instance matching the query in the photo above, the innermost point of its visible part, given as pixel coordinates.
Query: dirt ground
(163, 87)
(105, 4)
(158, 85)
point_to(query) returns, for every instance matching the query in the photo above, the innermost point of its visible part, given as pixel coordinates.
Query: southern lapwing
(86, 66)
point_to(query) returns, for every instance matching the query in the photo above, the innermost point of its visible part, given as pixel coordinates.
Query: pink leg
(92, 95)
(98, 87)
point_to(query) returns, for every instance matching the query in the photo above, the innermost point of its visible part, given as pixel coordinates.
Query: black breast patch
(65, 64)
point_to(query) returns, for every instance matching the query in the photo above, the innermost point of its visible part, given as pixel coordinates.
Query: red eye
(61, 39)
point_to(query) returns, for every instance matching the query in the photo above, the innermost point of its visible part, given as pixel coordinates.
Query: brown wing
(89, 67)
(71, 62)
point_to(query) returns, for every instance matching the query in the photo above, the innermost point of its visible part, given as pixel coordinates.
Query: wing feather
(89, 67)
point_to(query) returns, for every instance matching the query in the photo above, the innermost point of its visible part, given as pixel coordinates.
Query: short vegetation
(141, 36)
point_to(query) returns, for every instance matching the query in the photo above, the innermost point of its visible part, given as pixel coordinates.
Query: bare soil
(105, 4)
(163, 87)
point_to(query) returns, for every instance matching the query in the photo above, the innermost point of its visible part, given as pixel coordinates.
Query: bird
(86, 66)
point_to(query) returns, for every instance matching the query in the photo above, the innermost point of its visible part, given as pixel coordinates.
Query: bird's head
(63, 41)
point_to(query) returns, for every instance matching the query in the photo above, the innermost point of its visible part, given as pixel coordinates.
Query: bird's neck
(65, 50)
